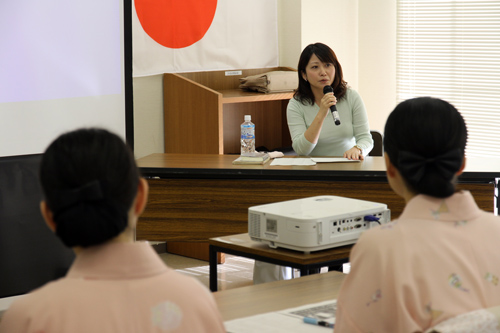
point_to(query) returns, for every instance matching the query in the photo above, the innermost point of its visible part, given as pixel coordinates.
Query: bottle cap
(248, 117)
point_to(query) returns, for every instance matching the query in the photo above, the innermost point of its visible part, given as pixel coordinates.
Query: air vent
(254, 225)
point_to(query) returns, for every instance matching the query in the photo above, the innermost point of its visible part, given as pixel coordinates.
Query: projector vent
(254, 225)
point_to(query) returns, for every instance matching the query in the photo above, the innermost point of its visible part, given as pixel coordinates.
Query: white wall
(289, 32)
(377, 59)
(148, 115)
(334, 23)
(361, 32)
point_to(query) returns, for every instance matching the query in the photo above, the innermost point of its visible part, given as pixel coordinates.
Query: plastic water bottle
(248, 137)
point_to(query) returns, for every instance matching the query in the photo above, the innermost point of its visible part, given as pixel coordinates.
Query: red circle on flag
(176, 23)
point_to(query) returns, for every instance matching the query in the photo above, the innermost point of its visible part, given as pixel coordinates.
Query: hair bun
(415, 166)
(63, 199)
(84, 217)
(90, 223)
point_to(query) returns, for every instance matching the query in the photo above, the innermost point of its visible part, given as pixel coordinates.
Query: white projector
(315, 223)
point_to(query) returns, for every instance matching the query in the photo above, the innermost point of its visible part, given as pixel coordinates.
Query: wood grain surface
(199, 209)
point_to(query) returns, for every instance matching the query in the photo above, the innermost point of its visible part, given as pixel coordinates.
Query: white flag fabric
(201, 35)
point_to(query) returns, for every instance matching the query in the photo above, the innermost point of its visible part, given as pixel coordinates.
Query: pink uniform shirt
(117, 287)
(441, 258)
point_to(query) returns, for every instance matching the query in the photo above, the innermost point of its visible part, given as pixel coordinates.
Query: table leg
(496, 200)
(212, 259)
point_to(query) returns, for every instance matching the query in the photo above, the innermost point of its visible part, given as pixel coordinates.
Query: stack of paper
(257, 158)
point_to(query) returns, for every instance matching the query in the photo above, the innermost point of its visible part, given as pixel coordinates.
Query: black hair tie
(66, 198)
(84, 217)
(414, 165)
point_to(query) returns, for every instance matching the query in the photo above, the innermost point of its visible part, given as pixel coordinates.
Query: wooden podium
(203, 112)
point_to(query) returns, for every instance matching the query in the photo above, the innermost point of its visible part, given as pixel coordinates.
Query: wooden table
(278, 295)
(194, 197)
(241, 245)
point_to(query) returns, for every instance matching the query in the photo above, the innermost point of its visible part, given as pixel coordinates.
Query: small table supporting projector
(242, 245)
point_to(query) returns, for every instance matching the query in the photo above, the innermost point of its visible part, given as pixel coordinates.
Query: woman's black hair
(325, 54)
(425, 140)
(89, 179)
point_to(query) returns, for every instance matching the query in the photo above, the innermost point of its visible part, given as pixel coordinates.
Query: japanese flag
(203, 35)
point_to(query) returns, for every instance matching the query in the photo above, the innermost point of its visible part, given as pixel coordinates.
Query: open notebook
(288, 320)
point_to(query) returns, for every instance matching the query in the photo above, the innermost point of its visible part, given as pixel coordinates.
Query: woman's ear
(459, 172)
(142, 196)
(390, 168)
(304, 76)
(48, 216)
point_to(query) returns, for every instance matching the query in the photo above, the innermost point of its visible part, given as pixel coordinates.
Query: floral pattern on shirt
(433, 312)
(167, 316)
(456, 282)
(443, 208)
(460, 223)
(491, 278)
(375, 297)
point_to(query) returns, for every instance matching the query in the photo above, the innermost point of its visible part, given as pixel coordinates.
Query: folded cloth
(275, 154)
(276, 81)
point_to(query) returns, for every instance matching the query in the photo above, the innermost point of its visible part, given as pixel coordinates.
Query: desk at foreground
(242, 245)
(278, 295)
(194, 197)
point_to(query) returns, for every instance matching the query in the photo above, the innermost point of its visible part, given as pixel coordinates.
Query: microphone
(333, 108)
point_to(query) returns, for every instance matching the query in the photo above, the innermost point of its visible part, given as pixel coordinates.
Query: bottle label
(247, 132)
(247, 140)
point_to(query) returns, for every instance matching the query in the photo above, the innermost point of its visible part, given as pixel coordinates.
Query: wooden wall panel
(199, 209)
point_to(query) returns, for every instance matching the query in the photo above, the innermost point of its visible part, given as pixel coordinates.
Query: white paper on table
(271, 322)
(332, 159)
(277, 322)
(293, 161)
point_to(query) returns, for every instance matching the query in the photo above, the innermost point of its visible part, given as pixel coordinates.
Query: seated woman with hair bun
(93, 196)
(441, 257)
